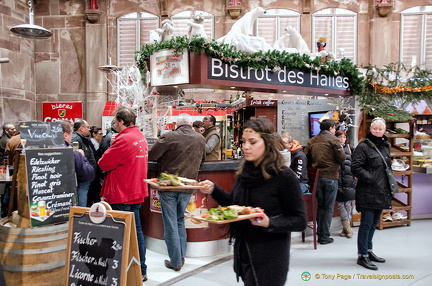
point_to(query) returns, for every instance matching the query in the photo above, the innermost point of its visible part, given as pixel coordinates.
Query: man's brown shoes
(175, 268)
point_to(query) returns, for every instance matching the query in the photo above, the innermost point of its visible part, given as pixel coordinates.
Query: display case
(422, 159)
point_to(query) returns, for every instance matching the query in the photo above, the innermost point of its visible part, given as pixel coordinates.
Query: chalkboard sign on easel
(104, 253)
(42, 134)
(51, 184)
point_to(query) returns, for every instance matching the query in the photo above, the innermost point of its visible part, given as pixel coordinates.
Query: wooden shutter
(428, 42)
(272, 28)
(267, 28)
(346, 37)
(146, 25)
(127, 42)
(411, 32)
(323, 28)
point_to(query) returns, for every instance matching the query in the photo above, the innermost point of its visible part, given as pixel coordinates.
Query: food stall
(205, 240)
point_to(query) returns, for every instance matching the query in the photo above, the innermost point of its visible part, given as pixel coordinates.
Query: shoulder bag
(389, 172)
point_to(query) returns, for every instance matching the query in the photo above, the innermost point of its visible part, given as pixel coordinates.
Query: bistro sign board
(53, 111)
(217, 69)
(51, 184)
(214, 73)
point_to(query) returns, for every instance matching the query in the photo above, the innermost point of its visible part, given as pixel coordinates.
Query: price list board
(100, 253)
(41, 134)
(51, 184)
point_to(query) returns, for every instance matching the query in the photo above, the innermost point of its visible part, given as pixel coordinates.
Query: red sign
(53, 111)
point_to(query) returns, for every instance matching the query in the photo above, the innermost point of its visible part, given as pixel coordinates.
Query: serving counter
(202, 239)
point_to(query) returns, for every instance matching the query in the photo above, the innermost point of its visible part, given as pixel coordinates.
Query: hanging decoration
(390, 89)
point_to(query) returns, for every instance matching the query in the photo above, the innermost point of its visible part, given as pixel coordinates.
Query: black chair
(311, 203)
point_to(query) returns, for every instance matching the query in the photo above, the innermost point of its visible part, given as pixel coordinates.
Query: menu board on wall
(41, 134)
(104, 253)
(293, 116)
(51, 184)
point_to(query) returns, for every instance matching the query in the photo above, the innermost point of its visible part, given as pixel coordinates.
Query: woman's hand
(209, 186)
(263, 220)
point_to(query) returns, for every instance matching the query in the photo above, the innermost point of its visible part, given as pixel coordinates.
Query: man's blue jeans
(82, 191)
(173, 207)
(135, 208)
(368, 223)
(326, 197)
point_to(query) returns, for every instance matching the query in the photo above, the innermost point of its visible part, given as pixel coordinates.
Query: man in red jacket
(126, 163)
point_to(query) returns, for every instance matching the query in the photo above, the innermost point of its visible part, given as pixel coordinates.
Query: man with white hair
(177, 152)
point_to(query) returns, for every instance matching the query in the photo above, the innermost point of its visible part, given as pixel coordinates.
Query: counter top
(221, 165)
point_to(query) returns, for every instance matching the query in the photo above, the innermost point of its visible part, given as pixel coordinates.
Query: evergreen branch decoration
(394, 85)
(275, 59)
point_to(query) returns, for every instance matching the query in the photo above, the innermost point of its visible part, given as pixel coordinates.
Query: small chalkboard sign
(103, 253)
(51, 184)
(39, 134)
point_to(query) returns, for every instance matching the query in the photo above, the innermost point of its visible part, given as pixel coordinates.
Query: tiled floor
(408, 251)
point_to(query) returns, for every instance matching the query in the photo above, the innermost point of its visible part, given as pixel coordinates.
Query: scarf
(378, 141)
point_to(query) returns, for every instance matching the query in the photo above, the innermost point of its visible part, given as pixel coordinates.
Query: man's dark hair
(126, 114)
(198, 124)
(326, 124)
(212, 119)
(78, 123)
(66, 125)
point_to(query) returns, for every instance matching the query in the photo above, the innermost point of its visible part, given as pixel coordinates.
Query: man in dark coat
(177, 152)
(81, 135)
(325, 152)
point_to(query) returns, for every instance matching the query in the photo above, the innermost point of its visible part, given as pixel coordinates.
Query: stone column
(96, 56)
(380, 35)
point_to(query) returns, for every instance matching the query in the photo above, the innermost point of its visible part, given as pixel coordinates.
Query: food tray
(174, 188)
(240, 217)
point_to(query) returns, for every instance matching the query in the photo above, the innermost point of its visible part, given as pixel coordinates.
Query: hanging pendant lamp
(31, 30)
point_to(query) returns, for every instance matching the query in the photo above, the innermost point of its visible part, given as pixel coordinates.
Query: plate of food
(173, 182)
(228, 214)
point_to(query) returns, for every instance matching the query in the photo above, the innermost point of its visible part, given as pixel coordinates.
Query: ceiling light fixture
(31, 30)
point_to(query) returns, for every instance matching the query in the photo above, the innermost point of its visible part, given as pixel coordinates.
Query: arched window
(182, 29)
(271, 25)
(133, 32)
(416, 37)
(339, 27)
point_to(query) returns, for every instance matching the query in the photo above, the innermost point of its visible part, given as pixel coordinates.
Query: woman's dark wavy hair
(273, 161)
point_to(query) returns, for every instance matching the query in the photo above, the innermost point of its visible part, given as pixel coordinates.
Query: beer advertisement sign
(53, 111)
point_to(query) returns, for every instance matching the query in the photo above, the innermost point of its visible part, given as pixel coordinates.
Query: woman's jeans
(368, 223)
(135, 208)
(173, 207)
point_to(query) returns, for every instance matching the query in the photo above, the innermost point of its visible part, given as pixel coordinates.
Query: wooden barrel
(34, 256)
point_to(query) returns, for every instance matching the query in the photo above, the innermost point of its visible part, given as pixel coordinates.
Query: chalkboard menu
(51, 183)
(293, 116)
(96, 252)
(103, 253)
(42, 134)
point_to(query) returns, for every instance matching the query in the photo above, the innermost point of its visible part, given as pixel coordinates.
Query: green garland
(274, 59)
(384, 87)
